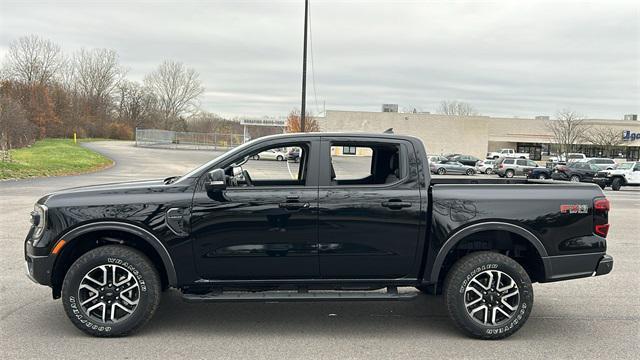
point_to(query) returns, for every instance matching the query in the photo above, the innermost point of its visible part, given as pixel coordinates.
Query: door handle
(294, 205)
(395, 204)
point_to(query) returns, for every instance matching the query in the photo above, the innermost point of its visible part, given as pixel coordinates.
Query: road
(581, 319)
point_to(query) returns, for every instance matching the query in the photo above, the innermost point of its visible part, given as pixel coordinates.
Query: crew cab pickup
(508, 153)
(358, 217)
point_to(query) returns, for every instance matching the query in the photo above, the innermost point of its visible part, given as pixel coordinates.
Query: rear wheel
(470, 172)
(442, 171)
(279, 158)
(574, 178)
(111, 291)
(509, 173)
(489, 171)
(542, 176)
(488, 295)
(616, 184)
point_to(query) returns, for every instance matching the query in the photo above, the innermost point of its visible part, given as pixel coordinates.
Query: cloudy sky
(507, 58)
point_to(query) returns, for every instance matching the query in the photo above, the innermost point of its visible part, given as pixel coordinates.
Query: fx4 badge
(574, 209)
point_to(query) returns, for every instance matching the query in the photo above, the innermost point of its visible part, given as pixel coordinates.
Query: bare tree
(456, 108)
(567, 130)
(15, 129)
(606, 137)
(136, 105)
(177, 89)
(97, 72)
(32, 60)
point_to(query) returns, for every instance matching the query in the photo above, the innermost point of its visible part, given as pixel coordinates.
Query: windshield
(216, 159)
(625, 166)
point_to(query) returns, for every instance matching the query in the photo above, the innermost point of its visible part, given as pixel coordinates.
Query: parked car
(293, 154)
(271, 154)
(625, 174)
(468, 160)
(508, 153)
(540, 173)
(600, 163)
(451, 167)
(576, 171)
(510, 167)
(436, 158)
(108, 251)
(562, 160)
(485, 166)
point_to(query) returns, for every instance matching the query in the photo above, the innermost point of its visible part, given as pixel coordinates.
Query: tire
(616, 184)
(470, 172)
(488, 171)
(99, 264)
(542, 177)
(256, 157)
(442, 171)
(509, 173)
(279, 158)
(574, 178)
(458, 297)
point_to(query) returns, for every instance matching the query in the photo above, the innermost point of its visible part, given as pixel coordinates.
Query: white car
(570, 156)
(507, 153)
(626, 174)
(271, 154)
(485, 166)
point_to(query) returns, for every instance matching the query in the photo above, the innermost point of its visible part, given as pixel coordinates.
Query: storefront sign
(627, 135)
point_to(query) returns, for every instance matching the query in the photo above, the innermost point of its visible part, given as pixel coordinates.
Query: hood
(104, 191)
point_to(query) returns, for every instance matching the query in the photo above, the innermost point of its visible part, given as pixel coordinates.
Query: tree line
(47, 93)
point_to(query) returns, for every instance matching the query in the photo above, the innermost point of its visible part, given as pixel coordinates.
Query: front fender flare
(454, 239)
(139, 231)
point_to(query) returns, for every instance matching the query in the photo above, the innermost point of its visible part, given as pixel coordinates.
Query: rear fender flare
(458, 236)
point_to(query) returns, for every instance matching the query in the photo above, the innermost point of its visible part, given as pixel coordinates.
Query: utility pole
(304, 68)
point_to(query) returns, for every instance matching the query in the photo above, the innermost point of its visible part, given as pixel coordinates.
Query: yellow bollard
(75, 140)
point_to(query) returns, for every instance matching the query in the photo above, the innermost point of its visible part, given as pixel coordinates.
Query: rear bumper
(566, 267)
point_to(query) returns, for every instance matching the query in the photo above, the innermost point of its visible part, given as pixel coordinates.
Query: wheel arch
(79, 240)
(469, 232)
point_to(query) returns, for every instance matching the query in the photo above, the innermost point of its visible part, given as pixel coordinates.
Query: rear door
(369, 209)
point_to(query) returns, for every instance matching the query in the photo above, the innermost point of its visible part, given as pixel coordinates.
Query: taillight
(601, 209)
(501, 166)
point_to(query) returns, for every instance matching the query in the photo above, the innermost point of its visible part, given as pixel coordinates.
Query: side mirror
(216, 180)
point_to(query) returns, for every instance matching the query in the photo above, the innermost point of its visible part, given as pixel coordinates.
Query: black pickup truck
(358, 217)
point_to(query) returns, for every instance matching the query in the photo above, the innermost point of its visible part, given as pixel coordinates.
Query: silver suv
(509, 167)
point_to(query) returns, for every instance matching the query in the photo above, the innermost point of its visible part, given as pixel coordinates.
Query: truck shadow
(423, 316)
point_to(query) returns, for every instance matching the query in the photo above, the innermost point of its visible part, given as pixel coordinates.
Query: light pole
(304, 68)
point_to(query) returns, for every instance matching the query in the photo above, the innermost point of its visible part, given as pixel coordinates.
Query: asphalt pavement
(582, 319)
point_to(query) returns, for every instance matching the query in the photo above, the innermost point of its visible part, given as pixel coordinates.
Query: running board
(300, 295)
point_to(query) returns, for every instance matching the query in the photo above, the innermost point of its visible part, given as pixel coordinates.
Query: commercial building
(477, 135)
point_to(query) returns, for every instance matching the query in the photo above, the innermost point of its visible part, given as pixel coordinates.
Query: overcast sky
(506, 58)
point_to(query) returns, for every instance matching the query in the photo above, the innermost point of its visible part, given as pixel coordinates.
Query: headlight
(39, 219)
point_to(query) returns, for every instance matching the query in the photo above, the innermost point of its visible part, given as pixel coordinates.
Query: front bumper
(566, 267)
(606, 181)
(38, 264)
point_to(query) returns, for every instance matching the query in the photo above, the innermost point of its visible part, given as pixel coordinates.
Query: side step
(300, 295)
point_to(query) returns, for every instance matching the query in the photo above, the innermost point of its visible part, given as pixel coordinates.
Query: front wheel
(279, 158)
(616, 184)
(488, 295)
(509, 173)
(542, 177)
(574, 178)
(470, 172)
(111, 291)
(442, 171)
(489, 171)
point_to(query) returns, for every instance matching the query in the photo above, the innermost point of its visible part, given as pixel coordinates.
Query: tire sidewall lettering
(125, 264)
(474, 272)
(83, 320)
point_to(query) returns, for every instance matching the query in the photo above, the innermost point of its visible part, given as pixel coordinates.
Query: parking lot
(582, 319)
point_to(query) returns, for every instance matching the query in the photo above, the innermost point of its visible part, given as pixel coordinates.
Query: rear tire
(111, 291)
(488, 171)
(442, 171)
(279, 158)
(616, 184)
(574, 178)
(542, 177)
(470, 172)
(496, 285)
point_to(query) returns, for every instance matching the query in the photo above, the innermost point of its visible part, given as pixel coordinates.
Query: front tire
(574, 178)
(442, 171)
(488, 295)
(470, 172)
(279, 158)
(488, 171)
(111, 291)
(509, 173)
(616, 184)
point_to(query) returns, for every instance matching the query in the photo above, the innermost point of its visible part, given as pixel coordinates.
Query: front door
(369, 209)
(264, 225)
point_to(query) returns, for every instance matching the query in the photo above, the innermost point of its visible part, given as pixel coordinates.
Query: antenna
(388, 131)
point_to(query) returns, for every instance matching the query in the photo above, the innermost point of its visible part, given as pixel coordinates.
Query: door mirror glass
(216, 180)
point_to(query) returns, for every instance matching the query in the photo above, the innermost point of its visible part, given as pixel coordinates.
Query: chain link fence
(186, 140)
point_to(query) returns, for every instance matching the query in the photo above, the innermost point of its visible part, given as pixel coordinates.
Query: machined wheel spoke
(492, 297)
(107, 302)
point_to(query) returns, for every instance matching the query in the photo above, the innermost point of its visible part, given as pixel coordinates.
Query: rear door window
(367, 164)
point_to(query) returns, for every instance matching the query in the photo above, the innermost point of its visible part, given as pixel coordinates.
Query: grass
(52, 157)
